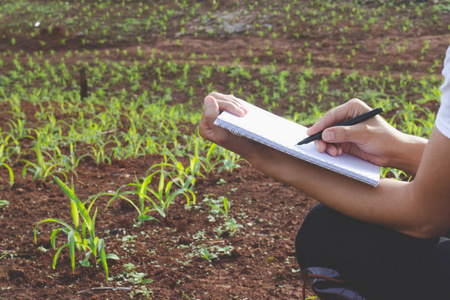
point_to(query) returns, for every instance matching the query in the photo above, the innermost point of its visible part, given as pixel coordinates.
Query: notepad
(283, 135)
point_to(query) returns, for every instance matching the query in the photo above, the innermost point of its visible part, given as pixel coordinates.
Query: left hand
(215, 103)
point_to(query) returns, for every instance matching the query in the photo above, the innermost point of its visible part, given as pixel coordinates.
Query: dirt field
(258, 261)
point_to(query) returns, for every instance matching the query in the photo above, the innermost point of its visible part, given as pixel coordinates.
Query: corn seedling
(184, 177)
(41, 168)
(229, 161)
(165, 194)
(5, 155)
(72, 160)
(99, 154)
(77, 238)
(141, 191)
(10, 172)
(221, 206)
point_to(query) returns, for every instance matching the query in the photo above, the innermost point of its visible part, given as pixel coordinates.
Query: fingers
(229, 103)
(331, 149)
(214, 104)
(342, 134)
(348, 110)
(332, 135)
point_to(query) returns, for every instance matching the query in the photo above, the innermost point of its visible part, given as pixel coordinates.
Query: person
(389, 241)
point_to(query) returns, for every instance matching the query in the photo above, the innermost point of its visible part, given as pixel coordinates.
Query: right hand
(373, 140)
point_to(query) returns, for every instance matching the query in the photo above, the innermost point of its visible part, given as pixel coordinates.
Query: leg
(378, 262)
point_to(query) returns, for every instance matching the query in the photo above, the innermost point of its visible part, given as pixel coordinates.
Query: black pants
(377, 262)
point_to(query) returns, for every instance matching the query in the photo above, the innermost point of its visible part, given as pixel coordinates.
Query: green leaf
(85, 262)
(74, 213)
(180, 166)
(55, 258)
(161, 211)
(92, 230)
(81, 208)
(53, 237)
(145, 218)
(112, 256)
(52, 220)
(161, 185)
(72, 249)
(225, 205)
(147, 281)
(142, 190)
(101, 248)
(11, 173)
(168, 186)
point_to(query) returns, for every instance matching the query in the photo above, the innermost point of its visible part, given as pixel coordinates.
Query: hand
(215, 103)
(373, 140)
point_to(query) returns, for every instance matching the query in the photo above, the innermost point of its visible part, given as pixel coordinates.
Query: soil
(261, 264)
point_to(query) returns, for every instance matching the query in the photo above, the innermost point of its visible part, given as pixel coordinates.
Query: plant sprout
(77, 238)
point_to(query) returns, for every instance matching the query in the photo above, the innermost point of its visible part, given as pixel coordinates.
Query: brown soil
(262, 264)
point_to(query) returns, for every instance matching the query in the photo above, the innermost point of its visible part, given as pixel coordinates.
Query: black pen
(352, 121)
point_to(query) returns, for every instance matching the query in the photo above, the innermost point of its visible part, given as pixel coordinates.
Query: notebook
(283, 135)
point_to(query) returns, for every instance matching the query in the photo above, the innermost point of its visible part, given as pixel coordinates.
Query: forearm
(385, 205)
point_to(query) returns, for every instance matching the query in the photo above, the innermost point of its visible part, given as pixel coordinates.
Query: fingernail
(328, 136)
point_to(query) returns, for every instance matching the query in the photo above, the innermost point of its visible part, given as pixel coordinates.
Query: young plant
(181, 176)
(42, 168)
(165, 194)
(229, 161)
(99, 154)
(141, 191)
(10, 172)
(72, 160)
(77, 239)
(5, 153)
(209, 256)
(230, 225)
(207, 162)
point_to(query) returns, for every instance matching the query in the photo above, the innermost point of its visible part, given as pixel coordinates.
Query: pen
(352, 121)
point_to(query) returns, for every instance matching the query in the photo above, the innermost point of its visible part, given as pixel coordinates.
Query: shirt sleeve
(443, 116)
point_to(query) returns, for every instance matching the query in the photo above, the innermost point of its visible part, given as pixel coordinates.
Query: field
(99, 107)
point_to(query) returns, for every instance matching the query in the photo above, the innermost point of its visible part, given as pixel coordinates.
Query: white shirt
(443, 116)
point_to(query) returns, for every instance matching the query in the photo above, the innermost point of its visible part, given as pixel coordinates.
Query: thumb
(211, 111)
(343, 134)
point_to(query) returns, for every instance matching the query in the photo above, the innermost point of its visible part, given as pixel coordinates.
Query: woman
(388, 242)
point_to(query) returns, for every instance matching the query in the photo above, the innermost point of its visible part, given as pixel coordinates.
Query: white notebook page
(283, 135)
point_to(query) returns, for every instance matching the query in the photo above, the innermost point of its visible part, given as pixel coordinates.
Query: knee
(311, 237)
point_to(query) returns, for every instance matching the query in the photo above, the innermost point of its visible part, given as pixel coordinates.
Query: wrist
(408, 153)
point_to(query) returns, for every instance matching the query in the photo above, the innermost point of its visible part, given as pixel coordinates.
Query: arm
(419, 208)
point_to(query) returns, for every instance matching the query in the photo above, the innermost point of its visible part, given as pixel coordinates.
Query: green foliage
(42, 168)
(78, 239)
(4, 203)
(10, 172)
(221, 205)
(165, 194)
(156, 199)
